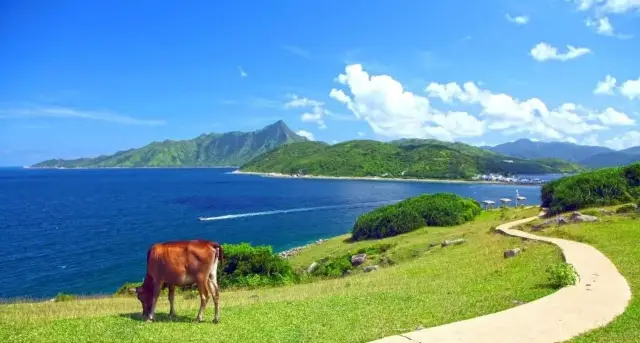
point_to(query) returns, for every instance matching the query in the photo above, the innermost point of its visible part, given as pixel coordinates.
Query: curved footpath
(601, 295)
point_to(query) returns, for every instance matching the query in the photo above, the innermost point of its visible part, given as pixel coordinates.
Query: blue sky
(82, 78)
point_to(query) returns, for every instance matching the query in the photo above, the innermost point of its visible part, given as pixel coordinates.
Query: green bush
(385, 222)
(609, 186)
(248, 266)
(442, 209)
(561, 275)
(628, 208)
(333, 267)
(60, 297)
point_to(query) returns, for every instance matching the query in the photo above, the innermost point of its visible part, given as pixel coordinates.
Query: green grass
(617, 237)
(424, 287)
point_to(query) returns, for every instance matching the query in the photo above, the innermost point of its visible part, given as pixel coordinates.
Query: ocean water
(87, 231)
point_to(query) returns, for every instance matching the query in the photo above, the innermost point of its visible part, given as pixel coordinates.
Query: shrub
(442, 209)
(249, 266)
(628, 208)
(60, 297)
(385, 222)
(609, 186)
(333, 267)
(562, 274)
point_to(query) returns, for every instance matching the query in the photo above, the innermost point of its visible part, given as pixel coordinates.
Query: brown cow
(182, 263)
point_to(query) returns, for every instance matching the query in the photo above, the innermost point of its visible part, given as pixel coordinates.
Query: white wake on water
(292, 210)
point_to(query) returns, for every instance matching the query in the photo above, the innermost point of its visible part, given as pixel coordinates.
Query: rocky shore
(296, 250)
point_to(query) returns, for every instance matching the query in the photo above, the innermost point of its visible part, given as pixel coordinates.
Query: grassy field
(423, 287)
(618, 237)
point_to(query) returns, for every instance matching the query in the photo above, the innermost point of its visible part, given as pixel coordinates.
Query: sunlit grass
(425, 287)
(618, 237)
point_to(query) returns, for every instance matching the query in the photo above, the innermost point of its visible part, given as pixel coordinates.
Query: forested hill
(214, 149)
(405, 158)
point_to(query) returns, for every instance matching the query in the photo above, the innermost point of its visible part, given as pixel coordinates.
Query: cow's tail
(218, 247)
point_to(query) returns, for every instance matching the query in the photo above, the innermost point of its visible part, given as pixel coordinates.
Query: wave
(293, 210)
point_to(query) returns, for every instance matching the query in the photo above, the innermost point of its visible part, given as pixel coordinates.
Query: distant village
(508, 179)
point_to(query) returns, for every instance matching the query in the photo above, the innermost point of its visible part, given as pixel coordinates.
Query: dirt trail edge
(600, 295)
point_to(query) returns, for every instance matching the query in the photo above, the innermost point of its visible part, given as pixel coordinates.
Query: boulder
(578, 217)
(512, 252)
(347, 272)
(359, 259)
(453, 242)
(559, 220)
(312, 267)
(370, 268)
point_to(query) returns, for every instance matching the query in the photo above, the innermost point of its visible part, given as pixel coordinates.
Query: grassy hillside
(616, 237)
(406, 158)
(228, 149)
(419, 286)
(609, 186)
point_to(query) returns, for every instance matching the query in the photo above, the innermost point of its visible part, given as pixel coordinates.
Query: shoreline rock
(294, 251)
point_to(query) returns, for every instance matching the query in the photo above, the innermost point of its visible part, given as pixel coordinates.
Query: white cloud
(242, 72)
(392, 111)
(612, 117)
(602, 26)
(519, 20)
(544, 52)
(317, 110)
(308, 135)
(67, 112)
(608, 6)
(627, 140)
(631, 89)
(607, 86)
(361, 134)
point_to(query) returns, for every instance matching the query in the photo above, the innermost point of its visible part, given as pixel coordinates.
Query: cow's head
(146, 298)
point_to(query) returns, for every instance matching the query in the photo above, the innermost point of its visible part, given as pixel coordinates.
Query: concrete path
(600, 296)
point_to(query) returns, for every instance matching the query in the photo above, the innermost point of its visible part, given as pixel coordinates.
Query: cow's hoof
(199, 320)
(216, 320)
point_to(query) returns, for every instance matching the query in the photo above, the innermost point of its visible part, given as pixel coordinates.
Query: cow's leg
(215, 290)
(204, 297)
(172, 293)
(157, 287)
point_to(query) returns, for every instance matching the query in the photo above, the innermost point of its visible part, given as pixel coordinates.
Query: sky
(84, 78)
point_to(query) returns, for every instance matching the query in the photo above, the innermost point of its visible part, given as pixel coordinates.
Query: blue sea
(87, 231)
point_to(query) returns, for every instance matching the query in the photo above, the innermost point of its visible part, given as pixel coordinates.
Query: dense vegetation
(609, 186)
(440, 209)
(588, 156)
(214, 149)
(416, 291)
(400, 159)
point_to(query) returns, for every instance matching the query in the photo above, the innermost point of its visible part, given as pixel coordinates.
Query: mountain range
(214, 149)
(585, 155)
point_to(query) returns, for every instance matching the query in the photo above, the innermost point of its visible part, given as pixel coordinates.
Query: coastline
(375, 178)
